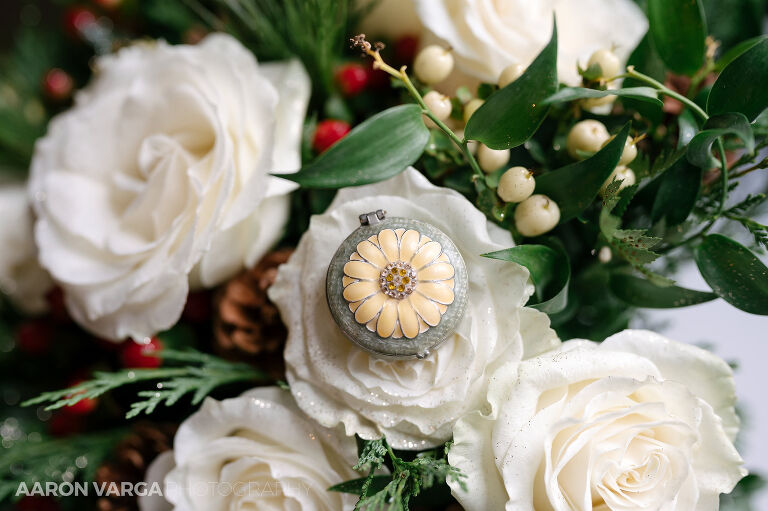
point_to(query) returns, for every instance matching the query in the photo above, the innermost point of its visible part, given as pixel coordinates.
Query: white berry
(629, 153)
(605, 255)
(609, 63)
(491, 159)
(509, 74)
(586, 137)
(516, 184)
(536, 215)
(625, 174)
(471, 106)
(439, 104)
(433, 64)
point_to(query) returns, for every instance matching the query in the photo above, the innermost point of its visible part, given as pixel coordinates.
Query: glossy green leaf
(700, 148)
(642, 293)
(687, 128)
(736, 51)
(677, 193)
(734, 273)
(575, 186)
(647, 94)
(678, 31)
(550, 271)
(741, 87)
(379, 148)
(513, 114)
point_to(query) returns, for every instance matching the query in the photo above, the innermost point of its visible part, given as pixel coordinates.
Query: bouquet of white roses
(324, 254)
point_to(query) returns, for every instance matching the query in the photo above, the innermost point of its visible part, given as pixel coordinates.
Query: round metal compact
(397, 287)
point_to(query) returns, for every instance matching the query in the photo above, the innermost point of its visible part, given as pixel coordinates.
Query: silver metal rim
(423, 344)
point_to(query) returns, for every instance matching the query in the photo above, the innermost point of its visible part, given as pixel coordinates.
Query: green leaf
(741, 87)
(736, 51)
(678, 32)
(700, 148)
(687, 128)
(677, 193)
(379, 148)
(512, 115)
(575, 186)
(734, 273)
(647, 94)
(642, 293)
(355, 486)
(550, 271)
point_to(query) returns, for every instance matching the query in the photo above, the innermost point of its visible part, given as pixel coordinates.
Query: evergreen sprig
(200, 376)
(407, 480)
(49, 459)
(633, 245)
(315, 31)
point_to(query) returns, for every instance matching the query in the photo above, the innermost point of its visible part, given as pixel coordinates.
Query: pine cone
(247, 323)
(129, 463)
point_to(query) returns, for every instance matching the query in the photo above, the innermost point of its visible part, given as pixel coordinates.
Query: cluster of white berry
(535, 214)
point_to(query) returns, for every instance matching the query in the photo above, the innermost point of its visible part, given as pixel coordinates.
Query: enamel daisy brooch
(397, 286)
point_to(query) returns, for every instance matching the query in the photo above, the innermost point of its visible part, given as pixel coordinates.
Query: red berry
(64, 424)
(34, 337)
(405, 49)
(198, 307)
(329, 132)
(353, 79)
(137, 354)
(57, 84)
(77, 20)
(82, 407)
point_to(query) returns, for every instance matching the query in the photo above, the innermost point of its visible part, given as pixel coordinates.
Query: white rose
(413, 402)
(637, 422)
(487, 36)
(21, 277)
(256, 451)
(389, 18)
(158, 178)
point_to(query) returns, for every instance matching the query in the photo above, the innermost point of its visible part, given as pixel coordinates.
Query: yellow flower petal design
(436, 292)
(387, 319)
(426, 254)
(359, 290)
(409, 243)
(436, 271)
(361, 270)
(372, 254)
(398, 283)
(388, 244)
(368, 310)
(426, 309)
(409, 322)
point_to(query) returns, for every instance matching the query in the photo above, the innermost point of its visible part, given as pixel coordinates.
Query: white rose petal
(21, 277)
(158, 179)
(413, 402)
(257, 450)
(487, 36)
(636, 422)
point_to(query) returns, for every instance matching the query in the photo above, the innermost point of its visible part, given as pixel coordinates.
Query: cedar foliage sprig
(200, 376)
(407, 480)
(45, 459)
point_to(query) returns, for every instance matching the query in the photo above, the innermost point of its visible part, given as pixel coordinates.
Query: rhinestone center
(397, 280)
